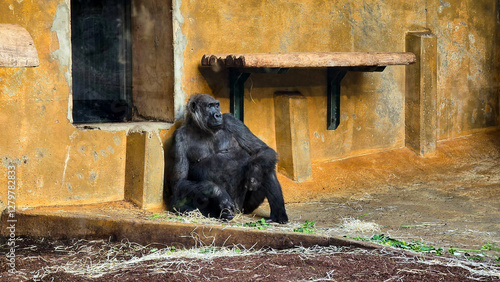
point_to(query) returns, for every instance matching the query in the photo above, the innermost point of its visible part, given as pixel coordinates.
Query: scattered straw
(94, 259)
(353, 225)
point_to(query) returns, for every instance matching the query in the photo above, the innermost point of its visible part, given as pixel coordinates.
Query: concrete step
(122, 221)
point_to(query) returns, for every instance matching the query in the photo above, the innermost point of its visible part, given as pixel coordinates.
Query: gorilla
(218, 166)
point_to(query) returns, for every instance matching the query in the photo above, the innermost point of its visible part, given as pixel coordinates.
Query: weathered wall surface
(468, 37)
(152, 59)
(372, 104)
(56, 163)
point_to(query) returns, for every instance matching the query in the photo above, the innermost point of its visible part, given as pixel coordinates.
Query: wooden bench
(240, 67)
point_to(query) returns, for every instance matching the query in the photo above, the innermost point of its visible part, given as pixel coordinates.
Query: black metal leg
(334, 77)
(237, 92)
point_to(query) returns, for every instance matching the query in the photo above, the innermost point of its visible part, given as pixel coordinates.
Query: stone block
(292, 135)
(144, 170)
(421, 94)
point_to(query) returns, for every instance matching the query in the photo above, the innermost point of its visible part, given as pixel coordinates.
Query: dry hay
(350, 226)
(356, 226)
(94, 259)
(107, 258)
(103, 257)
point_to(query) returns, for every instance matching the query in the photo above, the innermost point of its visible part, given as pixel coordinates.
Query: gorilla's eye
(213, 107)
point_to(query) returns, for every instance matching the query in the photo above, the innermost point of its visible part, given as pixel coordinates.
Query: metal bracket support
(334, 77)
(237, 92)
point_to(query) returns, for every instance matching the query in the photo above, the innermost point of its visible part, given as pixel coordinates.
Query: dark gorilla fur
(218, 166)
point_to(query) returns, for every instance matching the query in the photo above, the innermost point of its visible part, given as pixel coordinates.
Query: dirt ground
(81, 260)
(450, 201)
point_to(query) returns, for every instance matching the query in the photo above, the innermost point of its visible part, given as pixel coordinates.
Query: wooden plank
(16, 47)
(308, 60)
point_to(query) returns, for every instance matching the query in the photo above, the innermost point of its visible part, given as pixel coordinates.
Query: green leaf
(155, 216)
(490, 247)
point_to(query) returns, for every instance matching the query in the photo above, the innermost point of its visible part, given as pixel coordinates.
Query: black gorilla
(218, 166)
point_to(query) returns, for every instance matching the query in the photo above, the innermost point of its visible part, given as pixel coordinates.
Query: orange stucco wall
(372, 104)
(57, 163)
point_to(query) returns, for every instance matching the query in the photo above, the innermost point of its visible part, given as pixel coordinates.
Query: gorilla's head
(204, 111)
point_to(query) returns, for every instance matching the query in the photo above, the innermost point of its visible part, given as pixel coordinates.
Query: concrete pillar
(292, 135)
(421, 94)
(144, 170)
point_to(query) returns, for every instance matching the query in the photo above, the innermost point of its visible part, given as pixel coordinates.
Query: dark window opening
(101, 54)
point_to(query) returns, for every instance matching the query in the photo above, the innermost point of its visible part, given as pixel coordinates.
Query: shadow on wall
(218, 80)
(167, 145)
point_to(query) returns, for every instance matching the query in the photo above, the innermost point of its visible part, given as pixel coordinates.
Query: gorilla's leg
(270, 189)
(206, 196)
(253, 200)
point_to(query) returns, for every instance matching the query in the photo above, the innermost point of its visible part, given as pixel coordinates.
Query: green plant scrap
(416, 246)
(307, 227)
(490, 247)
(473, 254)
(259, 224)
(155, 216)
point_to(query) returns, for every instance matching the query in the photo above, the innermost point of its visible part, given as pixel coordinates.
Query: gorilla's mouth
(216, 121)
(217, 118)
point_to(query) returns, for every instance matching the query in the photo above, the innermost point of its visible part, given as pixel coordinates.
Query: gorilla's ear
(192, 106)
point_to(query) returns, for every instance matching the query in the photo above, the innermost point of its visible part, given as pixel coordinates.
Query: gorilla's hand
(227, 208)
(279, 217)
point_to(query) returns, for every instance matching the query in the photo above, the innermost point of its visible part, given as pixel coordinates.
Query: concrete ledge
(82, 222)
(129, 127)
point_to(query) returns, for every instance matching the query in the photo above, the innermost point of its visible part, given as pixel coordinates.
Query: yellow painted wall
(56, 163)
(372, 104)
(468, 35)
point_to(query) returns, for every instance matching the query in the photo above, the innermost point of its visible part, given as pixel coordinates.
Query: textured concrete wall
(468, 36)
(372, 104)
(152, 59)
(56, 163)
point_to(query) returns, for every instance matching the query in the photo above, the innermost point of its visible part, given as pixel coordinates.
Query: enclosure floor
(451, 199)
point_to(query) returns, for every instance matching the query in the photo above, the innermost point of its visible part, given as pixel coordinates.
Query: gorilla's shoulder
(229, 117)
(180, 133)
(230, 120)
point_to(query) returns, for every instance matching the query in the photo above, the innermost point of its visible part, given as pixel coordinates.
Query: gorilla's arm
(261, 167)
(181, 164)
(181, 187)
(260, 153)
(187, 194)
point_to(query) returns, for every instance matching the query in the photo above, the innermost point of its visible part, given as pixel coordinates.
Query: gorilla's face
(212, 110)
(204, 111)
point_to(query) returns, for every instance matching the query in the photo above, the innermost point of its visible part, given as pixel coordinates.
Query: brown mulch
(37, 260)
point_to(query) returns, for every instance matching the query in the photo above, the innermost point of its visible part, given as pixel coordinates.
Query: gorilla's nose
(217, 115)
